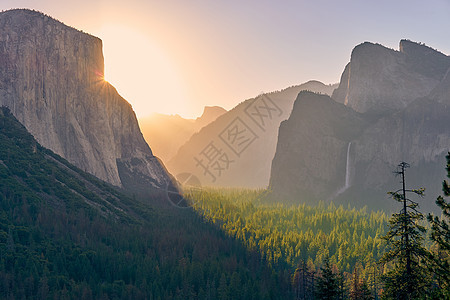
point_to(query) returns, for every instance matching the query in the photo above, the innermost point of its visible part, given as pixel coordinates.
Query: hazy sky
(178, 56)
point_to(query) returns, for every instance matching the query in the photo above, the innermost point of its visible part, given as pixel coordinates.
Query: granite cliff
(395, 108)
(312, 147)
(378, 79)
(51, 78)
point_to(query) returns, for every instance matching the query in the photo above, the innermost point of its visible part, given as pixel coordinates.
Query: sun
(142, 72)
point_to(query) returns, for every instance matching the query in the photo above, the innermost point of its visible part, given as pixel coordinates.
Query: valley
(312, 191)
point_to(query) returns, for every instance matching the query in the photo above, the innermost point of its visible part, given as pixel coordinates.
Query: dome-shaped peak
(370, 49)
(210, 113)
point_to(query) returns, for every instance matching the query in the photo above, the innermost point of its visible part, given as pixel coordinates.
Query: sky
(175, 57)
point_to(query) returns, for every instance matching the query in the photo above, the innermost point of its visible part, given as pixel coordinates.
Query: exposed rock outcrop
(379, 79)
(394, 109)
(312, 147)
(51, 78)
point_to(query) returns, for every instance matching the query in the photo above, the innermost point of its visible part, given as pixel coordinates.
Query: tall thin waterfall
(347, 174)
(347, 168)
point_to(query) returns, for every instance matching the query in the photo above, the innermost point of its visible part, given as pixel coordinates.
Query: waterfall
(347, 168)
(347, 174)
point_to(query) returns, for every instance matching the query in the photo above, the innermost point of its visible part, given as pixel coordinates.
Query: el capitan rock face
(346, 150)
(51, 78)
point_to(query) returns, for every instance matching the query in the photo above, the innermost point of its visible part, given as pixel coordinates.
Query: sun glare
(141, 72)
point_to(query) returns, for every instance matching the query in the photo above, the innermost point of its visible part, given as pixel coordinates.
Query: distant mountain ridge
(236, 149)
(51, 79)
(165, 134)
(390, 107)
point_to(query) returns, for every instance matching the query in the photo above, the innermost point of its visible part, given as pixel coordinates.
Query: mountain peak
(25, 16)
(410, 47)
(374, 80)
(26, 11)
(368, 50)
(211, 113)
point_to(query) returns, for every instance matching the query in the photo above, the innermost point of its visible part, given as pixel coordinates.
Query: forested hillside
(66, 235)
(330, 252)
(286, 236)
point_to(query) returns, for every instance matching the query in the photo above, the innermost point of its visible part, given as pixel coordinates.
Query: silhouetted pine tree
(407, 279)
(327, 285)
(440, 234)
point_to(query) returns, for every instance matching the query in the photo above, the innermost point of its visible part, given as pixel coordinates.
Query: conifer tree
(222, 290)
(303, 282)
(359, 289)
(327, 284)
(440, 234)
(406, 280)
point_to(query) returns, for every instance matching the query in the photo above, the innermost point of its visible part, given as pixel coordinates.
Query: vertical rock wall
(51, 78)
